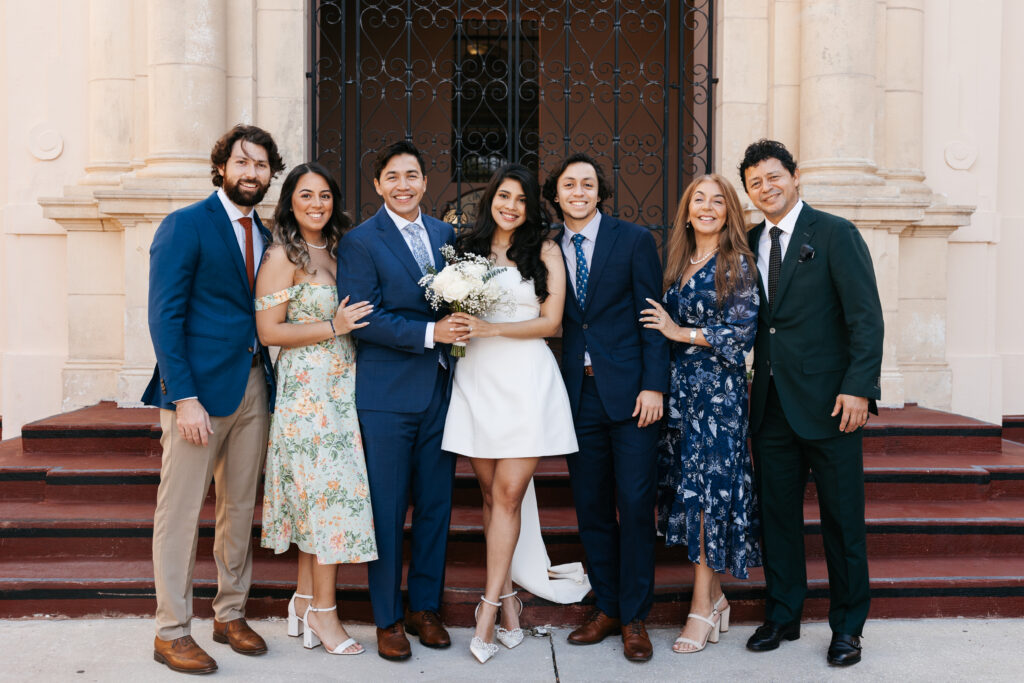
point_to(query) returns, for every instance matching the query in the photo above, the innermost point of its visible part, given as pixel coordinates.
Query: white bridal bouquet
(466, 285)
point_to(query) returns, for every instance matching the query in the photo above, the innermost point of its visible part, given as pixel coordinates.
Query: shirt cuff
(428, 339)
(187, 398)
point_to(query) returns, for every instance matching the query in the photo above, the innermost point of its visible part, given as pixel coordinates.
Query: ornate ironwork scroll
(476, 83)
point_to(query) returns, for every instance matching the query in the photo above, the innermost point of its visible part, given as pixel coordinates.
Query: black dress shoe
(844, 650)
(769, 635)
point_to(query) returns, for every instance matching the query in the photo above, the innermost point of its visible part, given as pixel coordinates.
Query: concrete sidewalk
(904, 650)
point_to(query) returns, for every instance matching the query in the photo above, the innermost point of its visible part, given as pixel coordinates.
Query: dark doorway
(478, 83)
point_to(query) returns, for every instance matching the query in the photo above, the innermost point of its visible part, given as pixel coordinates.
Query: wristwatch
(693, 335)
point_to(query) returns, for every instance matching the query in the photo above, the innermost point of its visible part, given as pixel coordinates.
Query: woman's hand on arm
(657, 318)
(349, 316)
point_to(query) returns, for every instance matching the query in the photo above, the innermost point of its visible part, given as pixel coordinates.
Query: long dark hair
(527, 240)
(286, 227)
(732, 242)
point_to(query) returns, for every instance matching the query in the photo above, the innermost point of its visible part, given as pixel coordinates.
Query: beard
(242, 197)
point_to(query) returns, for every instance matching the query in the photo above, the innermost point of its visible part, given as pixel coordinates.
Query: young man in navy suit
(213, 383)
(403, 382)
(615, 372)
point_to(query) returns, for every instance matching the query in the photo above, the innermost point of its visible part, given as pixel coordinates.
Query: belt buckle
(588, 370)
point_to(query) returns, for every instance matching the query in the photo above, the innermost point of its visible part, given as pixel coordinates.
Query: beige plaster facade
(904, 115)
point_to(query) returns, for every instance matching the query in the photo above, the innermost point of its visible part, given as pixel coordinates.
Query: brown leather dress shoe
(598, 627)
(392, 643)
(427, 625)
(183, 655)
(636, 644)
(239, 636)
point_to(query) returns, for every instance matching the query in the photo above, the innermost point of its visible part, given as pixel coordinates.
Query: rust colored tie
(250, 265)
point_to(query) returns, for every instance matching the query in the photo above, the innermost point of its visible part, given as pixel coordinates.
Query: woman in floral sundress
(316, 494)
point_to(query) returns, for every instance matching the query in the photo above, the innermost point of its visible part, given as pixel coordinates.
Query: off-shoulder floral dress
(703, 459)
(316, 493)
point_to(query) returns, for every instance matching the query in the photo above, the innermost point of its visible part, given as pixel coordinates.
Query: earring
(689, 225)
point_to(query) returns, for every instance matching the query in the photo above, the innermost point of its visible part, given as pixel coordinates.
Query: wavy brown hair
(222, 150)
(286, 226)
(732, 242)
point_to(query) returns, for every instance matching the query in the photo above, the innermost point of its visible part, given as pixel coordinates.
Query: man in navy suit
(615, 372)
(403, 383)
(213, 384)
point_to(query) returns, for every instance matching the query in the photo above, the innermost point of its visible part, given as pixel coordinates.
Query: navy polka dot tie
(582, 272)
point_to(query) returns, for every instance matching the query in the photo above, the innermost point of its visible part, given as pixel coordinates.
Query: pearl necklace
(316, 246)
(703, 258)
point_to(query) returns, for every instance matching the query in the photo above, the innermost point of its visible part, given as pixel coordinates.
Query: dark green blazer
(823, 337)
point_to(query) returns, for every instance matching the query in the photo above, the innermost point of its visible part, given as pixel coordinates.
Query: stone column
(837, 92)
(187, 87)
(111, 92)
(904, 98)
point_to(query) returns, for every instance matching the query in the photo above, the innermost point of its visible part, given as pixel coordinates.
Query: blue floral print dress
(316, 493)
(703, 460)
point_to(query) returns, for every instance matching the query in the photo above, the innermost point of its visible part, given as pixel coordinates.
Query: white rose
(456, 290)
(443, 279)
(474, 270)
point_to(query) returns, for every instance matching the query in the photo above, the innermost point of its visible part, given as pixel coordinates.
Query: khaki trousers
(234, 459)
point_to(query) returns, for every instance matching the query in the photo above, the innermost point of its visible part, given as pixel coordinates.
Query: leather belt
(588, 370)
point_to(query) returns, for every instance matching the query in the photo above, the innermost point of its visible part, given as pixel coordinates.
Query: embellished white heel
(481, 649)
(295, 622)
(723, 618)
(310, 639)
(510, 638)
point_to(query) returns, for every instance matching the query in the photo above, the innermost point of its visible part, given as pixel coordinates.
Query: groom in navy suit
(403, 383)
(616, 373)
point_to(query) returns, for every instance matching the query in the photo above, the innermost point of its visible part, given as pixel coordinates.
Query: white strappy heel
(295, 622)
(310, 639)
(710, 637)
(723, 618)
(481, 649)
(510, 638)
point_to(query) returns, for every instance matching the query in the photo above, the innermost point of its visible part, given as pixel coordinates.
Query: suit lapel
(802, 232)
(434, 234)
(568, 281)
(754, 241)
(222, 226)
(607, 233)
(391, 236)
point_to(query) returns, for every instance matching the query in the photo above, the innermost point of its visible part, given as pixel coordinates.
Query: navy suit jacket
(823, 336)
(626, 357)
(201, 311)
(394, 372)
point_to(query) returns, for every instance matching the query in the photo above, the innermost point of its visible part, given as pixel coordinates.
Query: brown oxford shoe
(598, 627)
(636, 644)
(392, 643)
(183, 655)
(427, 625)
(239, 636)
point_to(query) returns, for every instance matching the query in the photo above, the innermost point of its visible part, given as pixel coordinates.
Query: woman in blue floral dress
(705, 489)
(316, 494)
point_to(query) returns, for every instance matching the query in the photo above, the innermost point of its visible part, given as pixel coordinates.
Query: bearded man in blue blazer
(616, 373)
(403, 384)
(213, 383)
(817, 360)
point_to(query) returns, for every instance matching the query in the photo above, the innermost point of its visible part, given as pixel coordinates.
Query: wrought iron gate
(474, 83)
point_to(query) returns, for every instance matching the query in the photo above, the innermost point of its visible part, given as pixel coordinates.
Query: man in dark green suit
(817, 360)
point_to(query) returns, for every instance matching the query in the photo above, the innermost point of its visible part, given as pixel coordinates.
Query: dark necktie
(774, 264)
(250, 259)
(582, 272)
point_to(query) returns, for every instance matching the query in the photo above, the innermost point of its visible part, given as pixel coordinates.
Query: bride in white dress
(509, 406)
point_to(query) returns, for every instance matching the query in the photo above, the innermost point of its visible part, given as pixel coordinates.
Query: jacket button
(251, 351)
(771, 330)
(586, 326)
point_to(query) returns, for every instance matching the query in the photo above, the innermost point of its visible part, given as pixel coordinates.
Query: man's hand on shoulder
(649, 405)
(854, 412)
(193, 422)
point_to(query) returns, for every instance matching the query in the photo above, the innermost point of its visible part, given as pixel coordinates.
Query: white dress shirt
(234, 213)
(418, 229)
(589, 233)
(764, 244)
